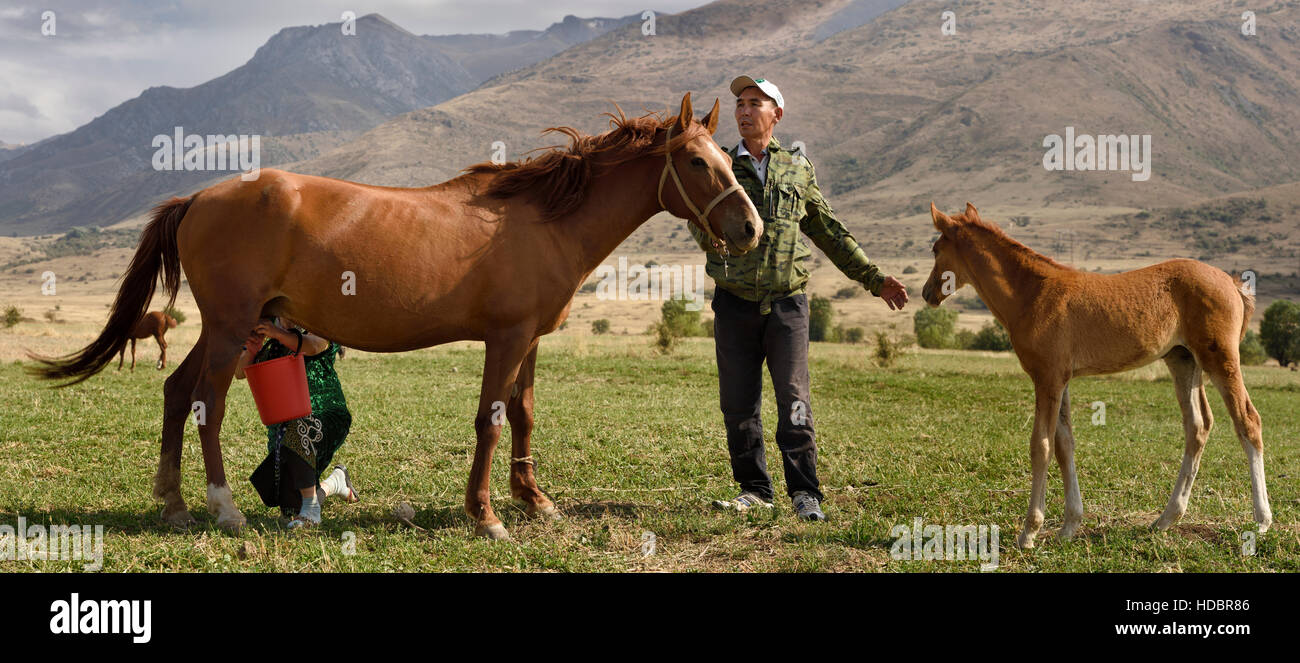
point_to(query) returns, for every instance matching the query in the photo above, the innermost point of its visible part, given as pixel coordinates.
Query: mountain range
(308, 89)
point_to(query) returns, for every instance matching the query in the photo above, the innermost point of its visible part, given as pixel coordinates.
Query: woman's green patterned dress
(315, 438)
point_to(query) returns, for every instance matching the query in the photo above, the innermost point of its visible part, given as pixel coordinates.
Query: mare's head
(697, 183)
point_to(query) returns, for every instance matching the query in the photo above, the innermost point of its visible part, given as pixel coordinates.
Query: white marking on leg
(1258, 491)
(1037, 493)
(221, 503)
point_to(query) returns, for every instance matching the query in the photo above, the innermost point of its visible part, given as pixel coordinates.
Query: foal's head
(706, 177)
(950, 271)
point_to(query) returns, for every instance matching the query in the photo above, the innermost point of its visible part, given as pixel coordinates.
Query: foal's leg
(176, 411)
(1197, 421)
(133, 355)
(218, 368)
(162, 349)
(505, 352)
(1225, 370)
(523, 486)
(1046, 412)
(1065, 458)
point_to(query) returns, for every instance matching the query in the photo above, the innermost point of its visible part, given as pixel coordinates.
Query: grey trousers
(743, 340)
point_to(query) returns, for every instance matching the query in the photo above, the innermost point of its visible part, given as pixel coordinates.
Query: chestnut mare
(1065, 323)
(155, 324)
(495, 255)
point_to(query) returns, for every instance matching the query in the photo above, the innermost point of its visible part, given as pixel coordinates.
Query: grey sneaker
(806, 507)
(742, 502)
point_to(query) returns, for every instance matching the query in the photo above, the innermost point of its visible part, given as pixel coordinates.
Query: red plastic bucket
(279, 389)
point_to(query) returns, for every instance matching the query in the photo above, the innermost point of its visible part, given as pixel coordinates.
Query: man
(762, 309)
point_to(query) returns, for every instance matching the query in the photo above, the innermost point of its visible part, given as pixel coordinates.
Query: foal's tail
(1248, 301)
(156, 253)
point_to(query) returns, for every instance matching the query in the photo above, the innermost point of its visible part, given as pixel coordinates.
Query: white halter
(703, 216)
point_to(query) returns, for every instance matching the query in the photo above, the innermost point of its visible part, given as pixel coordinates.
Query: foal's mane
(992, 231)
(558, 179)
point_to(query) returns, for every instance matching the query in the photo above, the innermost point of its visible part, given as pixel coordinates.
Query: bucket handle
(299, 335)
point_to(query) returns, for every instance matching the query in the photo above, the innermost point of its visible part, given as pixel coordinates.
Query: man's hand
(894, 293)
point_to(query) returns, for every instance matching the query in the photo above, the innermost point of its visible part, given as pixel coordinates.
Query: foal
(155, 324)
(1065, 323)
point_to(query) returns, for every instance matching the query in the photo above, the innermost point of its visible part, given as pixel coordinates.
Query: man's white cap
(768, 87)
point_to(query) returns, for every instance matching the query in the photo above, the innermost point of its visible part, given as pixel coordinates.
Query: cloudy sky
(103, 53)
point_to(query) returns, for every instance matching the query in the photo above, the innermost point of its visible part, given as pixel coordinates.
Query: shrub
(175, 313)
(992, 336)
(852, 335)
(12, 316)
(886, 350)
(664, 340)
(681, 321)
(934, 327)
(1252, 350)
(600, 326)
(1280, 331)
(821, 318)
(847, 293)
(973, 303)
(889, 348)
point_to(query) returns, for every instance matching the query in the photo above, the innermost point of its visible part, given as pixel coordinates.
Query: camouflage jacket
(789, 202)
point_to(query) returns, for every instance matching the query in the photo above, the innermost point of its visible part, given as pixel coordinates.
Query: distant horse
(155, 324)
(494, 255)
(1065, 323)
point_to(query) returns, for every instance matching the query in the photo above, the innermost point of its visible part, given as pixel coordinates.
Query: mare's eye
(698, 162)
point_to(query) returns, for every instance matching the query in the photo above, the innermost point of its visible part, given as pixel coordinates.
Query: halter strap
(703, 216)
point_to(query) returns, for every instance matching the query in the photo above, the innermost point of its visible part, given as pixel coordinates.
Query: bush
(600, 326)
(1280, 331)
(888, 348)
(964, 339)
(847, 293)
(664, 340)
(852, 335)
(821, 318)
(1252, 351)
(12, 316)
(992, 336)
(972, 303)
(175, 313)
(934, 327)
(910, 269)
(681, 322)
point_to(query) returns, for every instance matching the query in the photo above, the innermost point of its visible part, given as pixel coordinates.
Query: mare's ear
(685, 115)
(711, 121)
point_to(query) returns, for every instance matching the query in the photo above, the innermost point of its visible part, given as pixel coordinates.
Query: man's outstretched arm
(829, 234)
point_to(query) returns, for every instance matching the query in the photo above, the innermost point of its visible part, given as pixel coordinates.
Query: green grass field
(629, 441)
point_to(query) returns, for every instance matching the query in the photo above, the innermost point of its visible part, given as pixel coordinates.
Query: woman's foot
(309, 515)
(339, 483)
(301, 522)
